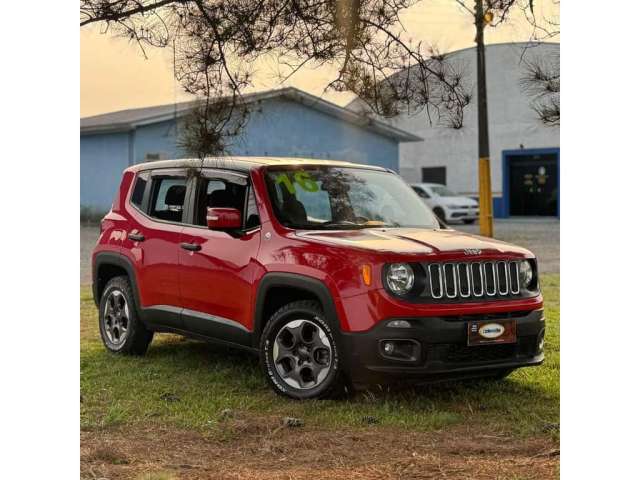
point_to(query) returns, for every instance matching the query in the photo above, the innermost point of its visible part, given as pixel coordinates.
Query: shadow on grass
(201, 354)
(209, 363)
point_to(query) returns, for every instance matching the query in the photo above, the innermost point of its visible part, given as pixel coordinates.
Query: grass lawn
(187, 384)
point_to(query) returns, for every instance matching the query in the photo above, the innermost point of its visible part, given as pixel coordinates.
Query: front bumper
(459, 214)
(443, 353)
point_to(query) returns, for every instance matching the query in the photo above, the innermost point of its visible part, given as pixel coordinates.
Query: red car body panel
(224, 261)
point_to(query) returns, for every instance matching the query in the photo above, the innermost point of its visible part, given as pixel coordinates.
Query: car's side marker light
(366, 274)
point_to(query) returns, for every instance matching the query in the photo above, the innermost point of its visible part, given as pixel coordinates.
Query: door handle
(192, 247)
(136, 237)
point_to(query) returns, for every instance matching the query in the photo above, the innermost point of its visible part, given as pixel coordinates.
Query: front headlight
(400, 278)
(525, 271)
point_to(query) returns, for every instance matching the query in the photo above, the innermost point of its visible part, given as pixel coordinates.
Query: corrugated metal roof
(125, 120)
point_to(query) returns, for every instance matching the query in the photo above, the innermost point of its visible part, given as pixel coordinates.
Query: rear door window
(168, 198)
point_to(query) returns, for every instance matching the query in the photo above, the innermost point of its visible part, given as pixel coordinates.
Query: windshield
(443, 191)
(326, 197)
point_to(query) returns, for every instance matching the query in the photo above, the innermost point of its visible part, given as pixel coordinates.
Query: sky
(114, 75)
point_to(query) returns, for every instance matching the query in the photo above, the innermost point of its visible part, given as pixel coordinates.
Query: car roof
(244, 164)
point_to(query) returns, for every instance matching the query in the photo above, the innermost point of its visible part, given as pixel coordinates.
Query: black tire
(137, 338)
(440, 214)
(469, 221)
(310, 314)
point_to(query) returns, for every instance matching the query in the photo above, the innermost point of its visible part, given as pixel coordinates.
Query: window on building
(154, 156)
(138, 189)
(434, 175)
(167, 201)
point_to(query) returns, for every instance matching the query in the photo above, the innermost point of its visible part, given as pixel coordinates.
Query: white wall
(512, 122)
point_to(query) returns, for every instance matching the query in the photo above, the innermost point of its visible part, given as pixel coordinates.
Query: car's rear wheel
(299, 353)
(120, 328)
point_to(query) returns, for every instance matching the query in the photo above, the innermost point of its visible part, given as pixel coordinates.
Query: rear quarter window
(139, 188)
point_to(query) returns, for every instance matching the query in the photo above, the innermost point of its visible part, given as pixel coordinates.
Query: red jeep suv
(337, 274)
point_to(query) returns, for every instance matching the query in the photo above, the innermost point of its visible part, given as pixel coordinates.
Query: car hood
(459, 201)
(411, 241)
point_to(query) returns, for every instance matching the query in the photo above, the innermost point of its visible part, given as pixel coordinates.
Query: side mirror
(223, 218)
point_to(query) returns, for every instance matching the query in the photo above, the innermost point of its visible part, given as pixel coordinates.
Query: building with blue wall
(284, 122)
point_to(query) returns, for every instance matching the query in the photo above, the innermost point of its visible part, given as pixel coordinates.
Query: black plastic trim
(206, 338)
(219, 328)
(115, 259)
(157, 317)
(367, 364)
(163, 318)
(151, 318)
(299, 282)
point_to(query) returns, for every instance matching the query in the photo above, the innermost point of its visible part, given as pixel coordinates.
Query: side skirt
(198, 325)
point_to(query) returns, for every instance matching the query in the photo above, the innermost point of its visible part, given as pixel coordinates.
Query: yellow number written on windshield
(300, 177)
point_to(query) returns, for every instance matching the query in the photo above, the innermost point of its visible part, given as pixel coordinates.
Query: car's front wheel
(120, 328)
(299, 353)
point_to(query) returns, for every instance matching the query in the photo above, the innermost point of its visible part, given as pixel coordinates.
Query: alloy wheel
(116, 318)
(302, 354)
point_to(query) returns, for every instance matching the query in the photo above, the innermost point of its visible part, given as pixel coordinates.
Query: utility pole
(484, 163)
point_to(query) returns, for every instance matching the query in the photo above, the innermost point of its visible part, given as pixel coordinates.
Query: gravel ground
(88, 238)
(541, 236)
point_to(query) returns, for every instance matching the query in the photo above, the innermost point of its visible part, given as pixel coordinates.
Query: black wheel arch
(105, 265)
(309, 287)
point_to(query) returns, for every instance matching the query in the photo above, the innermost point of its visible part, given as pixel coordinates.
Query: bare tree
(541, 80)
(541, 77)
(217, 43)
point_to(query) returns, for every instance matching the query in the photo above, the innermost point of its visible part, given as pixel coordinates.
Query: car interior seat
(174, 200)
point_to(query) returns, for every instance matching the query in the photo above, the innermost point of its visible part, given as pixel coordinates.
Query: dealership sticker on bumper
(490, 332)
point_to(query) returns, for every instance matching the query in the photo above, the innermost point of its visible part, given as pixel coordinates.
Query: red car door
(153, 242)
(217, 268)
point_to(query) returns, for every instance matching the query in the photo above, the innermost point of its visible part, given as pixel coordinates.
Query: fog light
(399, 324)
(406, 350)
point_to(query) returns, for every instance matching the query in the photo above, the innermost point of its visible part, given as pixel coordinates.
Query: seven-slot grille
(469, 280)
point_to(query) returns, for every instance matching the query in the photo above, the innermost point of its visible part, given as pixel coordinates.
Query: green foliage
(188, 384)
(91, 215)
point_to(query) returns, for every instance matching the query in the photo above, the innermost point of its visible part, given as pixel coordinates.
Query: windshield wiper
(367, 224)
(343, 224)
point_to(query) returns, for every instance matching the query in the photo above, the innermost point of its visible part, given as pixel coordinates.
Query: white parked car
(447, 205)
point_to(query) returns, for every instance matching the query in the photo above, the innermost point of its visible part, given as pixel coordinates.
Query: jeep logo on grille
(472, 251)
